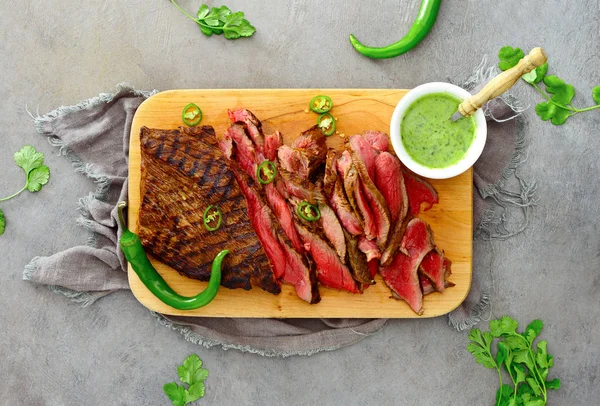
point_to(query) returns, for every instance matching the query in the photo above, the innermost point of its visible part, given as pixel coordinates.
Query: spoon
(501, 83)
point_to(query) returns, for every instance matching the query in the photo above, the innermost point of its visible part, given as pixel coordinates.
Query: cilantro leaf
(502, 353)
(29, 159)
(2, 222)
(480, 347)
(596, 94)
(550, 111)
(220, 20)
(553, 384)
(176, 393)
(203, 11)
(535, 402)
(503, 326)
(503, 395)
(562, 92)
(191, 371)
(195, 392)
(536, 75)
(37, 178)
(533, 330)
(509, 57)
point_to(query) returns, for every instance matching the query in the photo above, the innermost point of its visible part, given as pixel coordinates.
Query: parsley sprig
(558, 106)
(36, 175)
(527, 365)
(220, 20)
(191, 373)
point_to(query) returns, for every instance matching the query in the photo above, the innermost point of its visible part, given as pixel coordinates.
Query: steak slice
(401, 275)
(313, 148)
(369, 220)
(419, 191)
(183, 174)
(379, 141)
(394, 241)
(272, 144)
(298, 274)
(433, 268)
(379, 209)
(358, 261)
(252, 124)
(369, 248)
(333, 231)
(243, 153)
(343, 210)
(390, 182)
(361, 150)
(333, 189)
(282, 212)
(330, 270)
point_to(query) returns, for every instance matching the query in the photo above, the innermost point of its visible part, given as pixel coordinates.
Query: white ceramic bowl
(472, 153)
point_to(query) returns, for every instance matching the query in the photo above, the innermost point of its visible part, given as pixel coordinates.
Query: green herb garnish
(220, 20)
(516, 353)
(191, 373)
(36, 174)
(558, 106)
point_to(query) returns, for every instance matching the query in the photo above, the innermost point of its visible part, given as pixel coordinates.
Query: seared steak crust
(183, 174)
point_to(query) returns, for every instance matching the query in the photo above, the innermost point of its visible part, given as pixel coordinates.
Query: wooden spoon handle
(503, 81)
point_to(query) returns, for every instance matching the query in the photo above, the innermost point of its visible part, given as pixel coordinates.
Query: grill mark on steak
(173, 203)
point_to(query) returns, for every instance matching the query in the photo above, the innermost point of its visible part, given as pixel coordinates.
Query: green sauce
(428, 135)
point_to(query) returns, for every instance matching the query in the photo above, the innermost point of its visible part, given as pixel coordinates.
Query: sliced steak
(330, 270)
(252, 124)
(390, 182)
(358, 261)
(185, 162)
(419, 191)
(334, 192)
(292, 161)
(394, 241)
(401, 275)
(312, 143)
(433, 268)
(243, 152)
(261, 218)
(272, 144)
(361, 150)
(373, 266)
(284, 215)
(343, 210)
(333, 230)
(379, 209)
(362, 204)
(299, 275)
(379, 141)
(300, 188)
(369, 248)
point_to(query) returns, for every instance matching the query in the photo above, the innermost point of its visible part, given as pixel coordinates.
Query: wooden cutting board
(284, 110)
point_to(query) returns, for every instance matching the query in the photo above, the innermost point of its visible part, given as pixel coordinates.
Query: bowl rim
(472, 154)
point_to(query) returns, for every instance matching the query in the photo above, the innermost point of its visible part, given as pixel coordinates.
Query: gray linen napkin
(94, 136)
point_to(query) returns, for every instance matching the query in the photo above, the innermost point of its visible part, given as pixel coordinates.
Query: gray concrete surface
(57, 52)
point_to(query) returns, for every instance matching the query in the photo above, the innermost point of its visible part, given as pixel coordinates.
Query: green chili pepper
(191, 115)
(326, 123)
(210, 217)
(134, 253)
(320, 104)
(268, 169)
(308, 212)
(419, 30)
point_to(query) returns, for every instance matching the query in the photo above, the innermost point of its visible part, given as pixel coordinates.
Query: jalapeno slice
(212, 218)
(191, 115)
(308, 212)
(326, 123)
(320, 104)
(266, 172)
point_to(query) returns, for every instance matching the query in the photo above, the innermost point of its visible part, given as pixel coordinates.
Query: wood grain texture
(284, 110)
